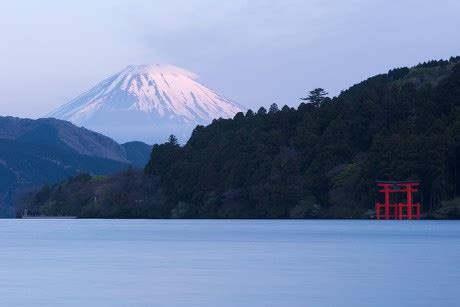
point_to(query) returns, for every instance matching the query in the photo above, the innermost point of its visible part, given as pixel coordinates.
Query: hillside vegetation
(46, 151)
(320, 160)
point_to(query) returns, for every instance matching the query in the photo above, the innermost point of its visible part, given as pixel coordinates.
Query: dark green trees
(316, 96)
(320, 160)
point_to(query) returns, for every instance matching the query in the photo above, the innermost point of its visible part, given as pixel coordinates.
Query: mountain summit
(148, 103)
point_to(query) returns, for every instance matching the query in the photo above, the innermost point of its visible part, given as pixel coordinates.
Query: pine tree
(273, 108)
(316, 96)
(172, 140)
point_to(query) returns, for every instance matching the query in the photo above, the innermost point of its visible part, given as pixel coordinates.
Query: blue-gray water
(229, 263)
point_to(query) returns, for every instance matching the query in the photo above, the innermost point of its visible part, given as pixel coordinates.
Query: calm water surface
(229, 263)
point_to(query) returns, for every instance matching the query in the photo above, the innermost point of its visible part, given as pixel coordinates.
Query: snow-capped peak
(156, 100)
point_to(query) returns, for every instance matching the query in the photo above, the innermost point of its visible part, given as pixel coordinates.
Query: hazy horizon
(253, 52)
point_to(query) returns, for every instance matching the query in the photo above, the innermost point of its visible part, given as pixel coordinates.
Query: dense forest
(320, 160)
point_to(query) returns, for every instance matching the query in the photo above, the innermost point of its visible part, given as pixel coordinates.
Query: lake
(229, 263)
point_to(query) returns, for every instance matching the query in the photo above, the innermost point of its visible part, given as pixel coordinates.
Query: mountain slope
(61, 133)
(147, 102)
(138, 153)
(44, 151)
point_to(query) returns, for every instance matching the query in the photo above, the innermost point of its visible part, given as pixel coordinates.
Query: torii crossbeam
(397, 211)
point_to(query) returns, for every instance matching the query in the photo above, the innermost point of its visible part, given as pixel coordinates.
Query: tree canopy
(320, 160)
(316, 96)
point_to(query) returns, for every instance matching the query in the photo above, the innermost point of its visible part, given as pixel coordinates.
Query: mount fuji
(147, 103)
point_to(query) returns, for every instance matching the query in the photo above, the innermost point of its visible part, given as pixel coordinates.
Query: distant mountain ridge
(44, 151)
(46, 130)
(147, 102)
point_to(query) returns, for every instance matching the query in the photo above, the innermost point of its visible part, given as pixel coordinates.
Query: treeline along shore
(319, 160)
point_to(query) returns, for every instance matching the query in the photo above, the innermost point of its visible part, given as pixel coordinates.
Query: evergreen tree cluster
(320, 160)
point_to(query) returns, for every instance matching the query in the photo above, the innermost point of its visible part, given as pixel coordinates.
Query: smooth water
(229, 263)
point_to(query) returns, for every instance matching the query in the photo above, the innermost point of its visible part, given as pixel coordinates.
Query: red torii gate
(397, 211)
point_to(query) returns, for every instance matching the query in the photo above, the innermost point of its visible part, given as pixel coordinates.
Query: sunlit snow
(167, 96)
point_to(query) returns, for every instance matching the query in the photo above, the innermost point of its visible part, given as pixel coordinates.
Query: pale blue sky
(255, 52)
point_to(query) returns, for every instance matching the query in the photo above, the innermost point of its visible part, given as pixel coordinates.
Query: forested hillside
(320, 160)
(35, 152)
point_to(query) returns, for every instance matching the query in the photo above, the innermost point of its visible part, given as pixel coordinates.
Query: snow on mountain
(147, 103)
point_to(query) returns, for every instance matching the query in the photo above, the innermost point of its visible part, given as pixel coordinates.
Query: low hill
(320, 160)
(45, 151)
